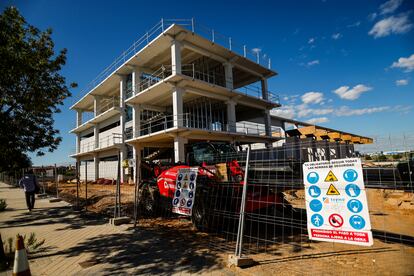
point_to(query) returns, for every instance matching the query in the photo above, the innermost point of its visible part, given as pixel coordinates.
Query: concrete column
(177, 95)
(179, 145)
(228, 73)
(78, 142)
(176, 57)
(122, 120)
(136, 120)
(96, 105)
(265, 95)
(96, 135)
(96, 163)
(123, 155)
(136, 76)
(79, 114)
(231, 116)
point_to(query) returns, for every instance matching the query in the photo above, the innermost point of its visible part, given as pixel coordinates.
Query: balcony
(190, 70)
(109, 141)
(192, 121)
(108, 108)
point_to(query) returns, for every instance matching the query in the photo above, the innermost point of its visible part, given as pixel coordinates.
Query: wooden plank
(309, 130)
(334, 135)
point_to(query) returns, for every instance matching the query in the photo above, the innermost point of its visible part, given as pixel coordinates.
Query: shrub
(31, 243)
(3, 204)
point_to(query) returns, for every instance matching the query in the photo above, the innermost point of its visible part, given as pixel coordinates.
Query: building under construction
(181, 83)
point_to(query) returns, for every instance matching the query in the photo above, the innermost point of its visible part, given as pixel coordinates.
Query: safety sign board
(185, 190)
(336, 202)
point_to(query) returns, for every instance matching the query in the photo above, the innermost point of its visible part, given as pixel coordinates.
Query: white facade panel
(87, 169)
(108, 169)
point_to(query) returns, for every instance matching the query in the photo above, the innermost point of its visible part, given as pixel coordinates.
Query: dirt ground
(392, 220)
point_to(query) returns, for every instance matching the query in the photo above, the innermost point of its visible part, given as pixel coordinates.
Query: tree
(31, 89)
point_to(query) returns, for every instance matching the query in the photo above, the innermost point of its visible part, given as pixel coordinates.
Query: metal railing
(211, 77)
(110, 140)
(254, 54)
(108, 103)
(188, 120)
(104, 142)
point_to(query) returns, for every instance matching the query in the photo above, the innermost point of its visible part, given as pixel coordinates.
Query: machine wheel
(148, 200)
(199, 215)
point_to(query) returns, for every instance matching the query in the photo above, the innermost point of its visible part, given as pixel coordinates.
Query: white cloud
(356, 24)
(391, 25)
(401, 82)
(404, 63)
(336, 36)
(346, 111)
(311, 40)
(344, 92)
(312, 97)
(390, 6)
(313, 62)
(286, 111)
(304, 111)
(318, 120)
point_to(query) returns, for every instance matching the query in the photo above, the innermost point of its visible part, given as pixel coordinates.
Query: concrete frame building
(178, 84)
(173, 87)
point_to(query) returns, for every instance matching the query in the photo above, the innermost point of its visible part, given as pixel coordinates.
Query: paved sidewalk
(86, 245)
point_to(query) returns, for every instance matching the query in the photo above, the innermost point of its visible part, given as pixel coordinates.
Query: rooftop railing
(254, 54)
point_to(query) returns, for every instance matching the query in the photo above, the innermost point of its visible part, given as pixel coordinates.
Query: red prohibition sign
(336, 220)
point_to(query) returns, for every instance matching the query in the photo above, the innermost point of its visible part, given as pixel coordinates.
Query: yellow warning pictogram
(331, 177)
(185, 177)
(332, 190)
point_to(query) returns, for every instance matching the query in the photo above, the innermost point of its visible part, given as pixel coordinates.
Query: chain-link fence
(252, 202)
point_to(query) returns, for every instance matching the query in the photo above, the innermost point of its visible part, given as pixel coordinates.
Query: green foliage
(31, 243)
(382, 157)
(3, 204)
(31, 90)
(367, 157)
(396, 156)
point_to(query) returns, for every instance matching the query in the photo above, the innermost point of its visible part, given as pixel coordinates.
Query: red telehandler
(219, 186)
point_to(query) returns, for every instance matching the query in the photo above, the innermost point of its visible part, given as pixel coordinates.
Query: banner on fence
(185, 190)
(336, 202)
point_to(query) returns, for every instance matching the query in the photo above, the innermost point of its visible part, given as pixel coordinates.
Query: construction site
(185, 99)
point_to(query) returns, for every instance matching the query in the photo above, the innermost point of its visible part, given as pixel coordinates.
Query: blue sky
(342, 64)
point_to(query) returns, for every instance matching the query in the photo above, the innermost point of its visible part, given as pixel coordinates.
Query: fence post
(240, 232)
(57, 181)
(86, 185)
(192, 25)
(162, 24)
(77, 183)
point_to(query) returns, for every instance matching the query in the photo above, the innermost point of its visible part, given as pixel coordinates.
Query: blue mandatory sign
(317, 220)
(354, 205)
(352, 190)
(315, 205)
(175, 202)
(180, 176)
(314, 191)
(313, 177)
(357, 222)
(350, 175)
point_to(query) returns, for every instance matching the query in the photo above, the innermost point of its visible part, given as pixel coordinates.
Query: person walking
(30, 186)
